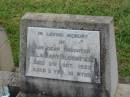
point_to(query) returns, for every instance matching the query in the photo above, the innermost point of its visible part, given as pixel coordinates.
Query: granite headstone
(68, 55)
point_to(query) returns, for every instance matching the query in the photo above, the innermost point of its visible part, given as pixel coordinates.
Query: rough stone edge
(114, 64)
(65, 17)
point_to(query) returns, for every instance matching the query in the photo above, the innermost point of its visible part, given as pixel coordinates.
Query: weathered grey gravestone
(68, 55)
(6, 59)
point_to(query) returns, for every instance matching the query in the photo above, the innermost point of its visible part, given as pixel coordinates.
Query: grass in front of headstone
(12, 10)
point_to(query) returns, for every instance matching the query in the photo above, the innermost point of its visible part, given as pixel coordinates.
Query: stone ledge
(66, 17)
(12, 79)
(123, 91)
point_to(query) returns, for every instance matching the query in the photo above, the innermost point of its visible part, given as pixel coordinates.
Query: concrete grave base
(123, 91)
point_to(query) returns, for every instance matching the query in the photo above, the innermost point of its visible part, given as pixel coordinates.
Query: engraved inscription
(63, 54)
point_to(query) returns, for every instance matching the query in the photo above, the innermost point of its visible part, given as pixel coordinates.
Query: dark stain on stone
(79, 92)
(45, 53)
(49, 91)
(59, 94)
(32, 48)
(13, 91)
(97, 90)
(107, 93)
(96, 71)
(82, 28)
(66, 94)
(60, 68)
(31, 88)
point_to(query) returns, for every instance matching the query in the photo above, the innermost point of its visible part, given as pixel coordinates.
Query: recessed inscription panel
(72, 55)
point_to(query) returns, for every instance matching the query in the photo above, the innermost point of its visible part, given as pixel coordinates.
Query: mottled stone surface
(123, 91)
(71, 55)
(60, 88)
(6, 58)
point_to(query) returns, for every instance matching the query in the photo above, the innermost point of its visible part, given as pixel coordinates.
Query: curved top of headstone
(67, 18)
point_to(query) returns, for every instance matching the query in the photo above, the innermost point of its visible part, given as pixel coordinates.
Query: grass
(12, 10)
